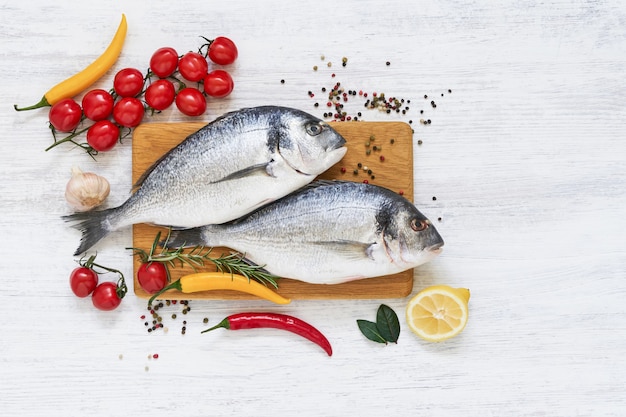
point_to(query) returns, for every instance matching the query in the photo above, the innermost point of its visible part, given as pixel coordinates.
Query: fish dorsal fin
(148, 171)
(323, 183)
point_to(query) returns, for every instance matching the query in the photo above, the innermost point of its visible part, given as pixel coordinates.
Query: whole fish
(327, 233)
(228, 168)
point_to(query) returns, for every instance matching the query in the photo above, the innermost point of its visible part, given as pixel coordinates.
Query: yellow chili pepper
(206, 281)
(82, 80)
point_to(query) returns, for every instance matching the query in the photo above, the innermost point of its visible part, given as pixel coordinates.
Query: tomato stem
(181, 84)
(122, 289)
(206, 45)
(68, 139)
(88, 263)
(42, 103)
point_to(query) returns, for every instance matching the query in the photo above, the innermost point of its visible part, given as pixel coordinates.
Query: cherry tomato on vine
(218, 83)
(164, 61)
(190, 101)
(160, 94)
(83, 281)
(223, 51)
(128, 112)
(103, 135)
(97, 104)
(152, 276)
(128, 82)
(193, 66)
(65, 115)
(105, 297)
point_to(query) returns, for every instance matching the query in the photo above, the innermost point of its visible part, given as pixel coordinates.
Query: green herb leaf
(387, 323)
(196, 256)
(370, 330)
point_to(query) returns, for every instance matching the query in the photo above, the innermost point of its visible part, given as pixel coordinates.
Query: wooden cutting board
(366, 141)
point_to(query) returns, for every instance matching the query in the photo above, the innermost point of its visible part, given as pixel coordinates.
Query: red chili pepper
(275, 321)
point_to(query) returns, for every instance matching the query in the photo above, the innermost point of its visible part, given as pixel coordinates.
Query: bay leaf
(387, 323)
(370, 330)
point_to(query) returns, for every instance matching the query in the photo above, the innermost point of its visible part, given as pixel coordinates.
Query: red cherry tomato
(128, 112)
(103, 135)
(128, 82)
(97, 104)
(191, 102)
(83, 281)
(164, 61)
(65, 115)
(160, 94)
(105, 297)
(218, 83)
(193, 66)
(223, 51)
(152, 276)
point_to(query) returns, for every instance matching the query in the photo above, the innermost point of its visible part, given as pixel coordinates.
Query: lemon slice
(438, 313)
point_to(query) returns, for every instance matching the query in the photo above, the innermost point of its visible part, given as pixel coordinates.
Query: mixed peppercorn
(155, 320)
(337, 97)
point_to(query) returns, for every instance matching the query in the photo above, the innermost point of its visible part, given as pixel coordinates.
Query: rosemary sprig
(197, 256)
(235, 263)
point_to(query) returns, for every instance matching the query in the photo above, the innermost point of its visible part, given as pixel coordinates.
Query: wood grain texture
(526, 158)
(152, 140)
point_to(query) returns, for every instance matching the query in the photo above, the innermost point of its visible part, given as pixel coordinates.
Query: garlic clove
(86, 190)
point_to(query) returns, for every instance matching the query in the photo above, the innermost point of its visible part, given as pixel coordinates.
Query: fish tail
(185, 238)
(94, 226)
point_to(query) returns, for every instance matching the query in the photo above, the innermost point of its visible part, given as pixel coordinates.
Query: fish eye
(314, 129)
(419, 225)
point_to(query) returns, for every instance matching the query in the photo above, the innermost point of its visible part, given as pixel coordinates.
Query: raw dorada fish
(230, 167)
(327, 233)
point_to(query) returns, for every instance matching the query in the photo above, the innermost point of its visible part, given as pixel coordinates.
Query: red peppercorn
(155, 356)
(382, 158)
(366, 182)
(401, 192)
(343, 170)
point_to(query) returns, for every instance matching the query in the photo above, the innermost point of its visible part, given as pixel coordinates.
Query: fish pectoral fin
(262, 169)
(351, 249)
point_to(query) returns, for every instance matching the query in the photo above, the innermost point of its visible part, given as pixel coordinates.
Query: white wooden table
(526, 158)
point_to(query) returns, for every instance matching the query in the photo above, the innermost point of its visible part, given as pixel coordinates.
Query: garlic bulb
(86, 190)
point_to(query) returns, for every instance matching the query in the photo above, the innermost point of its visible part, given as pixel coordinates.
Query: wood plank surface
(526, 158)
(366, 142)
